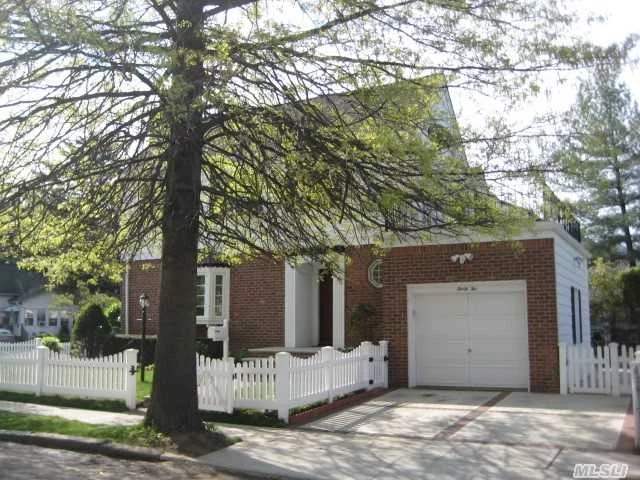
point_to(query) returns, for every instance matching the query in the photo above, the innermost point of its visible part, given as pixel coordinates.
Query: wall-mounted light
(579, 261)
(462, 258)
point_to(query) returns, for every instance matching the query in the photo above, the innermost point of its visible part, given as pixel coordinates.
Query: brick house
(478, 313)
(472, 312)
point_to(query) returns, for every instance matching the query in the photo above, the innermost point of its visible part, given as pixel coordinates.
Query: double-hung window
(212, 295)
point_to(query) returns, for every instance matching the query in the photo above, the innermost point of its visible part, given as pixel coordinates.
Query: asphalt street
(29, 462)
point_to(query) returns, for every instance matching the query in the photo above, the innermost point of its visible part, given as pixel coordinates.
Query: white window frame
(371, 270)
(210, 273)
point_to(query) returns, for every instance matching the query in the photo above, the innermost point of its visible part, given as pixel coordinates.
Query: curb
(90, 445)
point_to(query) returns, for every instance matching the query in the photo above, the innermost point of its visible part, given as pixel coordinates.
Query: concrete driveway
(534, 419)
(418, 433)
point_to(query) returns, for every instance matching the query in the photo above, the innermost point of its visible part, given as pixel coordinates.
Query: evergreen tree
(600, 159)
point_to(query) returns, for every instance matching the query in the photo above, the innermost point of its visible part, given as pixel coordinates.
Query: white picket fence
(44, 372)
(29, 346)
(284, 382)
(602, 369)
(635, 397)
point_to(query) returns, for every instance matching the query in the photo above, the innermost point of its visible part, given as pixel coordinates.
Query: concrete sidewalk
(295, 453)
(81, 415)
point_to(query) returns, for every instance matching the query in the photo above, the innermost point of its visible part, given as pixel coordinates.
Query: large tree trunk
(622, 204)
(174, 401)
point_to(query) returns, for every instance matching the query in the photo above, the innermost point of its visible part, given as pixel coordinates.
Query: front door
(325, 305)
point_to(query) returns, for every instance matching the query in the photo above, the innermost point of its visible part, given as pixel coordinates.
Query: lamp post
(144, 305)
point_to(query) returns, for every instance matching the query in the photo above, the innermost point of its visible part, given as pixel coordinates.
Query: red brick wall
(257, 304)
(358, 290)
(144, 276)
(533, 261)
(257, 296)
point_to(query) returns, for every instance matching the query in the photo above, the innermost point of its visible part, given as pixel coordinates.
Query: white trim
(338, 305)
(516, 286)
(289, 305)
(315, 305)
(376, 283)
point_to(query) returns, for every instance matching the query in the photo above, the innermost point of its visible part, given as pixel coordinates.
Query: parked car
(6, 336)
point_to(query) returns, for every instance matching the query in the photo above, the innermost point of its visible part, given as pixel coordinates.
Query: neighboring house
(466, 312)
(26, 308)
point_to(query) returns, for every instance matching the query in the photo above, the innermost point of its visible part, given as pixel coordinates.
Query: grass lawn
(137, 435)
(144, 388)
(58, 401)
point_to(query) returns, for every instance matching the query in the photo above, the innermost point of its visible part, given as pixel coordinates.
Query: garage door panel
(496, 376)
(449, 376)
(442, 353)
(442, 306)
(496, 327)
(487, 304)
(447, 328)
(506, 352)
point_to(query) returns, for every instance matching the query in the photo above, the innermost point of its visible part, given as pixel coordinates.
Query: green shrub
(91, 331)
(51, 342)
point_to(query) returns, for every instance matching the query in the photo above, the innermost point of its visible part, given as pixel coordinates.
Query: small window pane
(28, 317)
(42, 318)
(53, 318)
(217, 301)
(200, 294)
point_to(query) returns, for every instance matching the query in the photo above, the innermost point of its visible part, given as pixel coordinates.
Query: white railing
(602, 369)
(44, 372)
(284, 382)
(635, 395)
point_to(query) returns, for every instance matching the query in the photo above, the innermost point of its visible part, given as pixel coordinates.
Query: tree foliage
(600, 158)
(244, 127)
(614, 299)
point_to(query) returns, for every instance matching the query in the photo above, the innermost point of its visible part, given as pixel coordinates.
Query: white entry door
(468, 335)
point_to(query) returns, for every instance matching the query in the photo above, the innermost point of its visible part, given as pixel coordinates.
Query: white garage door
(469, 335)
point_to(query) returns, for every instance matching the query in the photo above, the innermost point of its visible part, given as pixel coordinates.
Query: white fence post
(562, 358)
(41, 353)
(367, 353)
(614, 369)
(130, 358)
(328, 356)
(635, 395)
(38, 341)
(230, 366)
(283, 373)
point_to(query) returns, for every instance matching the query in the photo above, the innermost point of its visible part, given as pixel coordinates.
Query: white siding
(571, 271)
